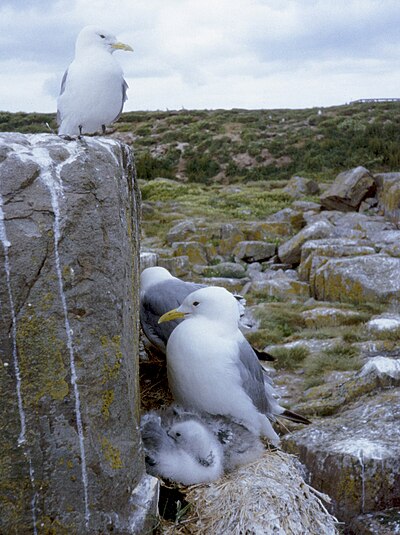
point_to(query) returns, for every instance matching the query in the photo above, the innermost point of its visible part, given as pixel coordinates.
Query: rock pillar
(70, 452)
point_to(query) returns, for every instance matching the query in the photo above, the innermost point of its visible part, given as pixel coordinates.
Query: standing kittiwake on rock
(184, 452)
(159, 292)
(212, 368)
(93, 89)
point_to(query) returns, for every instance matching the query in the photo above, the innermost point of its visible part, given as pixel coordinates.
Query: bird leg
(208, 461)
(103, 129)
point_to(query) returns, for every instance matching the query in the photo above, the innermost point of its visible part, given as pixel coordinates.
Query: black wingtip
(263, 355)
(294, 417)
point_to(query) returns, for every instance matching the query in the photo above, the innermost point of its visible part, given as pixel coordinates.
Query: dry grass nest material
(268, 496)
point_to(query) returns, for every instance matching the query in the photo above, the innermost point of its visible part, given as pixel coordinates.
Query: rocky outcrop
(299, 187)
(70, 451)
(388, 194)
(348, 190)
(354, 456)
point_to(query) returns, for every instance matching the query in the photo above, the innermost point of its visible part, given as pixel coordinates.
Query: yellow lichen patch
(108, 398)
(112, 357)
(41, 358)
(111, 454)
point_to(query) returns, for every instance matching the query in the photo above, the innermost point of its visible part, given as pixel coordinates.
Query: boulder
(359, 279)
(290, 251)
(195, 251)
(230, 235)
(355, 456)
(181, 231)
(70, 451)
(306, 206)
(282, 287)
(229, 270)
(385, 323)
(385, 522)
(299, 187)
(388, 193)
(178, 266)
(148, 259)
(254, 251)
(314, 253)
(348, 190)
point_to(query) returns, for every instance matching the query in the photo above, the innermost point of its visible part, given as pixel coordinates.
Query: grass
(290, 358)
(341, 357)
(251, 145)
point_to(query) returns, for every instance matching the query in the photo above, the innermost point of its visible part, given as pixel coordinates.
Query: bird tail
(294, 417)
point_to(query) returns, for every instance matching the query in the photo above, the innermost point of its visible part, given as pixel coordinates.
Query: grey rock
(356, 279)
(385, 522)
(384, 323)
(181, 231)
(148, 259)
(290, 251)
(306, 206)
(178, 266)
(254, 251)
(348, 190)
(71, 454)
(229, 270)
(314, 253)
(355, 456)
(298, 187)
(388, 193)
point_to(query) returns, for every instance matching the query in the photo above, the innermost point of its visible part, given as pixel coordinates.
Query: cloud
(203, 53)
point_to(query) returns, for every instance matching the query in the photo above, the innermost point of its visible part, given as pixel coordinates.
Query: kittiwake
(212, 368)
(185, 452)
(239, 445)
(159, 292)
(93, 89)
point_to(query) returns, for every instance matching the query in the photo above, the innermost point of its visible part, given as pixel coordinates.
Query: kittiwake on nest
(160, 292)
(212, 368)
(185, 452)
(93, 89)
(239, 445)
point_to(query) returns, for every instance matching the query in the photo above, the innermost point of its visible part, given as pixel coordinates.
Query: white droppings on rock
(384, 323)
(382, 366)
(370, 449)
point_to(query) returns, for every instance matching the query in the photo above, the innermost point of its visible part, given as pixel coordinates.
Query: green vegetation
(251, 145)
(342, 357)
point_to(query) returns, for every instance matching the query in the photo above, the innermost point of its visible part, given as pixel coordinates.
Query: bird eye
(102, 36)
(195, 303)
(177, 434)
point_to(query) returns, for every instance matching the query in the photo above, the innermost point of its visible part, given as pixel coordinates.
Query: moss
(111, 454)
(41, 358)
(112, 357)
(51, 526)
(108, 398)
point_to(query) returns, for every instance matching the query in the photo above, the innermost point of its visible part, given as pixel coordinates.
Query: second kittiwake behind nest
(212, 368)
(93, 89)
(159, 292)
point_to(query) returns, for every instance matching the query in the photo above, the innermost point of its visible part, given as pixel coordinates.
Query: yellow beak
(122, 46)
(171, 315)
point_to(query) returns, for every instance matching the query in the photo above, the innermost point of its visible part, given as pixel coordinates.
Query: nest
(268, 496)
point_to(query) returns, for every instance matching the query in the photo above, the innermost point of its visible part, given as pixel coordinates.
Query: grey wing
(252, 375)
(159, 299)
(124, 98)
(62, 89)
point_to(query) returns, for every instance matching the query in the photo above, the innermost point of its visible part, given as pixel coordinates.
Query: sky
(207, 54)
